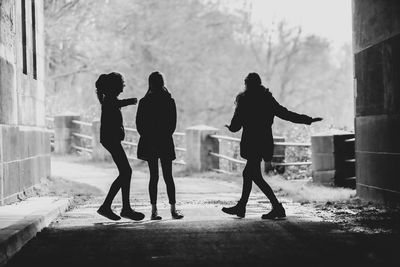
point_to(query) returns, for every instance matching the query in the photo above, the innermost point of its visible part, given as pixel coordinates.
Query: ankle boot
(277, 212)
(238, 210)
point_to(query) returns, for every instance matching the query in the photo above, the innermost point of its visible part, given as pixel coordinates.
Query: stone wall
(376, 42)
(24, 142)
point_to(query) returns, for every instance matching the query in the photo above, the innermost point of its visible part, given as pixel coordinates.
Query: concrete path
(205, 237)
(20, 222)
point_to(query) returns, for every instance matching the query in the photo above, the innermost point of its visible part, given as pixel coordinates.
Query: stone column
(198, 146)
(332, 156)
(63, 129)
(376, 45)
(99, 152)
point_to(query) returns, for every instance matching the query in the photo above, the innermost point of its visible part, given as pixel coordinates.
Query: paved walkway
(205, 237)
(19, 222)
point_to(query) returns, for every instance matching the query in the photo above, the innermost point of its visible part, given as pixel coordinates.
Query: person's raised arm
(291, 116)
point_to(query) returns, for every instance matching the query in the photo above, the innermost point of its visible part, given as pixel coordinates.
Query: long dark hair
(156, 83)
(106, 83)
(252, 83)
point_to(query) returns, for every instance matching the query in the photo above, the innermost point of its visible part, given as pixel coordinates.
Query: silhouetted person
(156, 122)
(109, 86)
(255, 112)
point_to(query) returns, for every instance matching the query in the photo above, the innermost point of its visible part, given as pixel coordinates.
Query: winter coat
(111, 127)
(156, 122)
(255, 112)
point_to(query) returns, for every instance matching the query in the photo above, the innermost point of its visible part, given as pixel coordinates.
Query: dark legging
(252, 173)
(123, 180)
(166, 166)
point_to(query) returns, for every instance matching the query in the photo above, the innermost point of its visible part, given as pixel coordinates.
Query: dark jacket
(156, 122)
(255, 112)
(111, 127)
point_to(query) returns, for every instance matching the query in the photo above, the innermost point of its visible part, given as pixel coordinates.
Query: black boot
(277, 212)
(238, 210)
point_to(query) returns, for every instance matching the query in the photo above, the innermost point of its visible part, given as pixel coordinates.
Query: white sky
(328, 18)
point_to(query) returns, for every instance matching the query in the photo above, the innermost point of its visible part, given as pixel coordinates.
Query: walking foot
(277, 212)
(238, 210)
(155, 216)
(176, 215)
(131, 214)
(108, 213)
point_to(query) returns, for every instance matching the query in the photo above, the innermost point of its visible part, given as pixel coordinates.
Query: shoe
(176, 215)
(155, 216)
(108, 213)
(277, 212)
(131, 214)
(238, 210)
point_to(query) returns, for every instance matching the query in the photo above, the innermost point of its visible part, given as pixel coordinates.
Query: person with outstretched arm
(254, 113)
(108, 87)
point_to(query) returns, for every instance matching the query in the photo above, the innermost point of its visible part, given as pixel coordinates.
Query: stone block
(64, 127)
(65, 121)
(333, 154)
(22, 144)
(11, 172)
(374, 21)
(46, 142)
(27, 102)
(1, 144)
(386, 197)
(26, 173)
(323, 161)
(378, 133)
(379, 170)
(10, 150)
(376, 73)
(323, 143)
(35, 179)
(8, 108)
(198, 145)
(324, 177)
(47, 165)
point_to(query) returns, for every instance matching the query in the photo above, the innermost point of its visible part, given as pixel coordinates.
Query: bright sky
(328, 18)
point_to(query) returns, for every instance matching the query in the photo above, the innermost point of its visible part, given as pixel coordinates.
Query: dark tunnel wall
(376, 45)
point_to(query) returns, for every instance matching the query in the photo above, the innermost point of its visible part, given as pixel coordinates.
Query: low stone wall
(24, 160)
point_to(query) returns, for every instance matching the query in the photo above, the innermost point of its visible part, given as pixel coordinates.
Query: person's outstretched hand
(316, 119)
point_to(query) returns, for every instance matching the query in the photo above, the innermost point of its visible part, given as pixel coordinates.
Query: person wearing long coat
(156, 123)
(254, 113)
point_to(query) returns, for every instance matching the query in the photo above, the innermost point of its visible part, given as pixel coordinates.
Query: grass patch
(304, 191)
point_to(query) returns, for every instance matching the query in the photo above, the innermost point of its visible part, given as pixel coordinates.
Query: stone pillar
(376, 45)
(63, 129)
(99, 152)
(198, 146)
(278, 157)
(332, 156)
